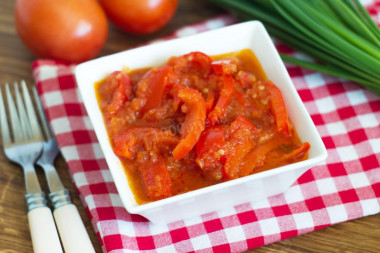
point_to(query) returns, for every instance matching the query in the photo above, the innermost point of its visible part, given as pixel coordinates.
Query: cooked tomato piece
(223, 100)
(278, 108)
(176, 99)
(156, 177)
(217, 69)
(195, 110)
(210, 152)
(245, 79)
(239, 96)
(122, 85)
(237, 148)
(239, 143)
(297, 152)
(240, 123)
(126, 141)
(131, 140)
(209, 101)
(210, 138)
(224, 67)
(146, 142)
(152, 86)
(194, 62)
(256, 158)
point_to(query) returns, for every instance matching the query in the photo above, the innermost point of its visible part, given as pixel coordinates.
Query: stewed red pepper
(196, 121)
(120, 86)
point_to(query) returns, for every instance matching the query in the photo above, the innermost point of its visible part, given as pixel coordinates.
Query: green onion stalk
(339, 35)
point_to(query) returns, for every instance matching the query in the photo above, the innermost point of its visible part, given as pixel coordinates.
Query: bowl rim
(140, 208)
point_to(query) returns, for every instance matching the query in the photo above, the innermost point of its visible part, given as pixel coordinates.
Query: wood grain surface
(361, 235)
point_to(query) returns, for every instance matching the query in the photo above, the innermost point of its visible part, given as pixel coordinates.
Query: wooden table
(361, 235)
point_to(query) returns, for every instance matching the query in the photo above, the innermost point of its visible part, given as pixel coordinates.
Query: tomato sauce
(196, 121)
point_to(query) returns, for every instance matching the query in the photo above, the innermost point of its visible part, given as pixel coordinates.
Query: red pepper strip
(174, 92)
(200, 61)
(194, 124)
(240, 123)
(123, 89)
(154, 173)
(278, 108)
(197, 62)
(239, 96)
(210, 152)
(221, 68)
(223, 101)
(156, 178)
(126, 141)
(217, 69)
(211, 138)
(245, 79)
(210, 99)
(237, 148)
(255, 159)
(297, 153)
(238, 145)
(152, 86)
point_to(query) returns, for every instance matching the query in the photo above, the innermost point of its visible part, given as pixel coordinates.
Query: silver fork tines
(25, 148)
(36, 132)
(73, 233)
(59, 195)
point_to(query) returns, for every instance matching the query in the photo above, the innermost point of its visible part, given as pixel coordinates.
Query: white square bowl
(251, 35)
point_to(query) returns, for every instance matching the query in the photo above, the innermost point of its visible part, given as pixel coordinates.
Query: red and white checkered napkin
(346, 187)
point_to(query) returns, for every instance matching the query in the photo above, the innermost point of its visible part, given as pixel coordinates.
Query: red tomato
(66, 30)
(140, 16)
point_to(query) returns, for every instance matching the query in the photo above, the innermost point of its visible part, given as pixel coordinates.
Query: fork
(24, 150)
(71, 229)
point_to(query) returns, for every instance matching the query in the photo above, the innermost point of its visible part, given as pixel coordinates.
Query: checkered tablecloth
(345, 187)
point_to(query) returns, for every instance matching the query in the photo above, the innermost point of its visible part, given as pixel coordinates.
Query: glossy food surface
(196, 121)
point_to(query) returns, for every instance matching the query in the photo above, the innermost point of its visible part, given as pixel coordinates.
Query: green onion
(339, 35)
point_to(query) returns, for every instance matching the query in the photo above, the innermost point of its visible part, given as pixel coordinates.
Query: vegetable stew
(196, 121)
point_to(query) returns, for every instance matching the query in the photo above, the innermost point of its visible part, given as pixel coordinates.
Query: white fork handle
(71, 230)
(43, 231)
